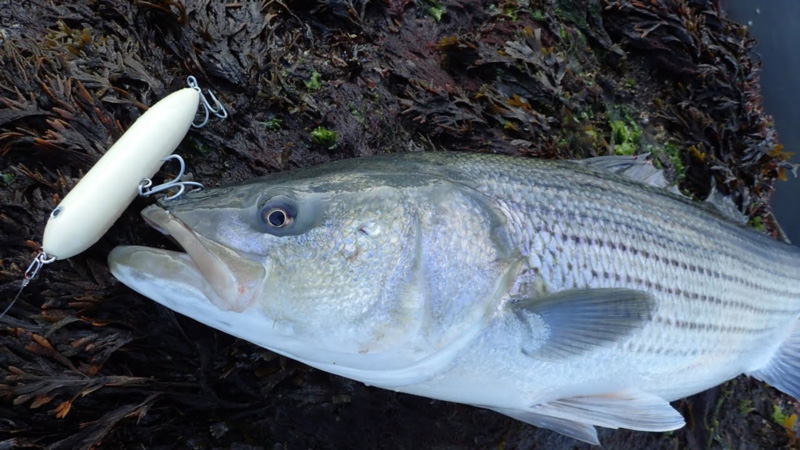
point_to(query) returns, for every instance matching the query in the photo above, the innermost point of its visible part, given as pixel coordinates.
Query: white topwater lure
(100, 197)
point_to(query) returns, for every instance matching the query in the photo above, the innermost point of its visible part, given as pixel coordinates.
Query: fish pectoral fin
(577, 430)
(580, 320)
(627, 409)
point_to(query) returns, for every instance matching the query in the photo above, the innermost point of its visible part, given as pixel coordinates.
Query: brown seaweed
(86, 363)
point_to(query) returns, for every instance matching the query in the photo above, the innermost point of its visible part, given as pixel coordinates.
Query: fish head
(339, 270)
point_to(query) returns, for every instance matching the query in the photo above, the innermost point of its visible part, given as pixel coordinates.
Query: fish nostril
(363, 231)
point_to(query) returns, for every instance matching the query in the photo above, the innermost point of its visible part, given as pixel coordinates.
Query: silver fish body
(555, 293)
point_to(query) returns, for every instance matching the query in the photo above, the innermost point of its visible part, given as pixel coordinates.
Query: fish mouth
(229, 280)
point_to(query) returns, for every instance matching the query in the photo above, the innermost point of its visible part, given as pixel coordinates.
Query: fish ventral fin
(577, 417)
(633, 410)
(580, 320)
(576, 430)
(783, 370)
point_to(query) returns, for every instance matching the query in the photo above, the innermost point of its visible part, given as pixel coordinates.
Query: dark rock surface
(87, 363)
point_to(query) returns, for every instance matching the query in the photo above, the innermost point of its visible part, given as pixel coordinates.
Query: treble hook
(146, 187)
(219, 111)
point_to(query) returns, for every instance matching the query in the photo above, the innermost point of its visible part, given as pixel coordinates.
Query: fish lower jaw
(142, 268)
(231, 290)
(232, 281)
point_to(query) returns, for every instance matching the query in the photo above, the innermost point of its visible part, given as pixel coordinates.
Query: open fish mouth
(229, 280)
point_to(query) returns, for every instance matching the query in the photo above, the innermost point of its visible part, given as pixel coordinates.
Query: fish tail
(783, 370)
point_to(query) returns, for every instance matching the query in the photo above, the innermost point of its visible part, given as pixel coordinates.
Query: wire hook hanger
(218, 110)
(147, 189)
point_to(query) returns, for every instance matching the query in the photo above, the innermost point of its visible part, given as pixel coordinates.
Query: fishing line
(33, 269)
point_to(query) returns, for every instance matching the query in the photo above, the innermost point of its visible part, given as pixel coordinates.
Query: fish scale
(667, 247)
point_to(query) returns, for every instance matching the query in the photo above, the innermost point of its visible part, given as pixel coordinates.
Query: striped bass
(556, 292)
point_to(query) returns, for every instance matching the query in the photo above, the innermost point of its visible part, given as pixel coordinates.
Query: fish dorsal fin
(580, 320)
(626, 409)
(577, 430)
(724, 205)
(638, 168)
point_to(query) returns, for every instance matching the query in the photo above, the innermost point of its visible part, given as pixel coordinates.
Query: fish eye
(277, 217)
(285, 215)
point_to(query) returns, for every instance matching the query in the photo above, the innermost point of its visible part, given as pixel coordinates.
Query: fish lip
(235, 280)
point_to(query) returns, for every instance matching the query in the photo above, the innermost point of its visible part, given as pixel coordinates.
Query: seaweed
(86, 363)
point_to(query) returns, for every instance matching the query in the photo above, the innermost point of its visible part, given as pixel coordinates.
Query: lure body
(100, 197)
